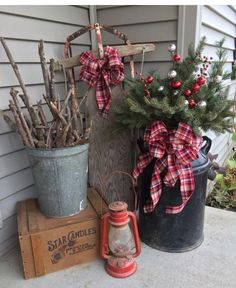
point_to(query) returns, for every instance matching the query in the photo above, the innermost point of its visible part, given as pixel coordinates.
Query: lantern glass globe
(121, 241)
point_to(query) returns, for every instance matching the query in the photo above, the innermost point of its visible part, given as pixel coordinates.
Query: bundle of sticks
(66, 127)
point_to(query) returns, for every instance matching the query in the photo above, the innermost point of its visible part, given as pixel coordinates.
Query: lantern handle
(136, 234)
(107, 177)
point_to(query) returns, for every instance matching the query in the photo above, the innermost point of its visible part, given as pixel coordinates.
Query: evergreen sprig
(167, 104)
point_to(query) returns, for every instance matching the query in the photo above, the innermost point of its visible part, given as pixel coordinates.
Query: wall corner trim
(189, 26)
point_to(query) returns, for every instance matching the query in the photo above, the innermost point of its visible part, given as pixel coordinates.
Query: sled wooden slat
(124, 51)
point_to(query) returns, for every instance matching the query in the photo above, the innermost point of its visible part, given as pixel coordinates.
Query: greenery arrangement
(224, 192)
(191, 93)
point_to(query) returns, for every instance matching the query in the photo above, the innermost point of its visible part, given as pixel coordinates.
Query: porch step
(213, 264)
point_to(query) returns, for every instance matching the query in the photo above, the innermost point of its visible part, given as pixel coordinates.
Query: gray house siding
(22, 27)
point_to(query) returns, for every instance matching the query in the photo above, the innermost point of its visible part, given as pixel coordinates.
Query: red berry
(195, 88)
(187, 92)
(201, 81)
(176, 58)
(149, 79)
(175, 84)
(191, 104)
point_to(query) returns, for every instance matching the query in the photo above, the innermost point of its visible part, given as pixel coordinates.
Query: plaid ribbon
(102, 73)
(175, 150)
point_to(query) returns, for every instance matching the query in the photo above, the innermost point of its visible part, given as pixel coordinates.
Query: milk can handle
(207, 146)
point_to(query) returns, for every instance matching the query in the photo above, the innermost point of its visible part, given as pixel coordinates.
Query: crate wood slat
(124, 51)
(25, 241)
(52, 244)
(37, 249)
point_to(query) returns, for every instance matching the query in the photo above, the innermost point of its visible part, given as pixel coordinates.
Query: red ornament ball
(176, 58)
(175, 84)
(149, 80)
(191, 104)
(187, 92)
(195, 88)
(201, 81)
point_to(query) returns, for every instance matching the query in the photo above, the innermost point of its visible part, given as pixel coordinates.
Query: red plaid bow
(175, 150)
(102, 73)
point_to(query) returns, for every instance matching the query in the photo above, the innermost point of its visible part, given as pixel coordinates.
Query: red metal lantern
(119, 243)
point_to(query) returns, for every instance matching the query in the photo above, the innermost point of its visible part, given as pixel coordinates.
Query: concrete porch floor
(213, 264)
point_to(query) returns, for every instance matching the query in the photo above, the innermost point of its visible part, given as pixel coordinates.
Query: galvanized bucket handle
(108, 176)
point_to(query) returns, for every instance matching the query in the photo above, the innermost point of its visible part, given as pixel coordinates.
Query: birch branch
(33, 116)
(41, 114)
(61, 139)
(52, 82)
(19, 124)
(44, 69)
(14, 93)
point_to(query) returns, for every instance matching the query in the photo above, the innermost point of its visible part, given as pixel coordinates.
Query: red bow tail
(156, 186)
(187, 186)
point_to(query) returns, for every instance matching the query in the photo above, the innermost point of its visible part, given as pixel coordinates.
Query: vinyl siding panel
(10, 142)
(214, 35)
(157, 32)
(13, 162)
(131, 14)
(29, 50)
(23, 26)
(8, 244)
(9, 229)
(225, 11)
(7, 205)
(57, 13)
(31, 72)
(15, 182)
(218, 21)
(47, 30)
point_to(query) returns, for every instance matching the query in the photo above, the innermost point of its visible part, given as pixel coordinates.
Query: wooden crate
(52, 244)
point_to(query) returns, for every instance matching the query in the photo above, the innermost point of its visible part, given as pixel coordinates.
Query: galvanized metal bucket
(60, 176)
